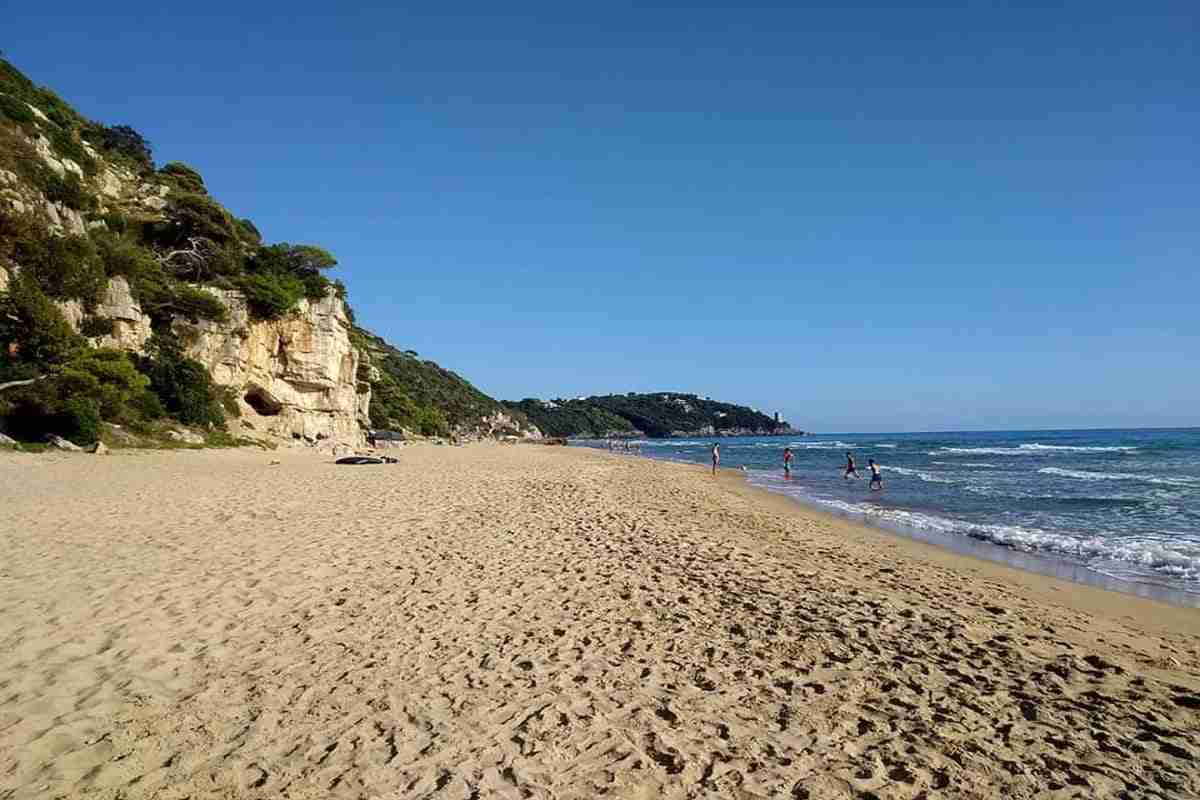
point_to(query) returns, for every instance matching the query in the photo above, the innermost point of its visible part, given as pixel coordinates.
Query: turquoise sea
(1119, 506)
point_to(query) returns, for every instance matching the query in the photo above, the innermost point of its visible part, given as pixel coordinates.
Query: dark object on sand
(367, 460)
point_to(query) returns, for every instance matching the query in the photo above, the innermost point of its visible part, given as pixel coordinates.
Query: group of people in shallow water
(788, 456)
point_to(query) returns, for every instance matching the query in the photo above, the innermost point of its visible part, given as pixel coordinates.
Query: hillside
(657, 415)
(414, 394)
(131, 301)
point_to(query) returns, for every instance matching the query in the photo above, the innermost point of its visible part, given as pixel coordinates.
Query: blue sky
(970, 215)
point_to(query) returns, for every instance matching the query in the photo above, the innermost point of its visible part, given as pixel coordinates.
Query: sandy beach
(538, 622)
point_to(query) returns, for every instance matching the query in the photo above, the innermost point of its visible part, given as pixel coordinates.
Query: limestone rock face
(72, 311)
(131, 327)
(3, 279)
(293, 377)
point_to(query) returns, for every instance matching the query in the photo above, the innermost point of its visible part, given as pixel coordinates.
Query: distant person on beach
(876, 478)
(850, 470)
(787, 461)
(716, 458)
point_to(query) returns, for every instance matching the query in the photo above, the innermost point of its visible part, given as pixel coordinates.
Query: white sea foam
(965, 464)
(885, 446)
(925, 476)
(1179, 560)
(1031, 449)
(1118, 476)
(835, 445)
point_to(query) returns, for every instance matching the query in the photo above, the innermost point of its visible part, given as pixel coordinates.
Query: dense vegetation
(656, 415)
(573, 418)
(170, 256)
(418, 395)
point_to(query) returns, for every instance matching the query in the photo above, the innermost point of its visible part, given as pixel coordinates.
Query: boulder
(6, 441)
(62, 444)
(187, 437)
(99, 449)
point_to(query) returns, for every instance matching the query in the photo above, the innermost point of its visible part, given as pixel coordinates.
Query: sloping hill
(661, 414)
(413, 394)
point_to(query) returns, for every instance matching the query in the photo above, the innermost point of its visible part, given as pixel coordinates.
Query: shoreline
(1081, 595)
(1045, 564)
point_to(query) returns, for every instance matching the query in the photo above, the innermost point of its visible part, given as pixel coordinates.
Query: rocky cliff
(128, 254)
(293, 377)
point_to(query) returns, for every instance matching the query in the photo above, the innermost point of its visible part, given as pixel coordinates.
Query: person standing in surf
(716, 458)
(787, 462)
(850, 470)
(876, 477)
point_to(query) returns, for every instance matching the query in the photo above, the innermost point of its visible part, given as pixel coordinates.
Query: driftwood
(15, 384)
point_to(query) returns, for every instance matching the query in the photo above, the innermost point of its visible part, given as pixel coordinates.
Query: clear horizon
(905, 220)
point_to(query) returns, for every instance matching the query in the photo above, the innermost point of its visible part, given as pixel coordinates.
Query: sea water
(1118, 503)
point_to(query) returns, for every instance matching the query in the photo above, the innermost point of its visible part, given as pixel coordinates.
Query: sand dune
(517, 622)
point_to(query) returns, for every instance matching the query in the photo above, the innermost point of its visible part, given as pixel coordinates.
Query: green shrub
(270, 296)
(80, 420)
(67, 267)
(123, 142)
(123, 257)
(248, 233)
(193, 215)
(116, 222)
(182, 384)
(15, 109)
(33, 331)
(72, 401)
(66, 189)
(197, 304)
(146, 405)
(184, 177)
(67, 145)
(95, 327)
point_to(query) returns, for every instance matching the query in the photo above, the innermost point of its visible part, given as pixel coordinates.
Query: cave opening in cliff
(262, 402)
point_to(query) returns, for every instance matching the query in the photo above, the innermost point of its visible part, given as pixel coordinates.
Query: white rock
(3, 279)
(131, 327)
(188, 437)
(109, 183)
(71, 166)
(6, 441)
(63, 444)
(42, 145)
(72, 221)
(37, 112)
(294, 377)
(72, 311)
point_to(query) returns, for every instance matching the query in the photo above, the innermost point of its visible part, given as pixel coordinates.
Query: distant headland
(657, 415)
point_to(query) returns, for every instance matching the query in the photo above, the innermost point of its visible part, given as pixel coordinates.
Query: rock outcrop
(293, 377)
(131, 327)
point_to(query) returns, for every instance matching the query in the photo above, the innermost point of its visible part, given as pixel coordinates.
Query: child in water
(876, 477)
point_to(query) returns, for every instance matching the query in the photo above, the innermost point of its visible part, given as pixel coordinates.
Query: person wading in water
(876, 478)
(850, 470)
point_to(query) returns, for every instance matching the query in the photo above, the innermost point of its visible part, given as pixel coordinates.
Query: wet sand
(519, 621)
